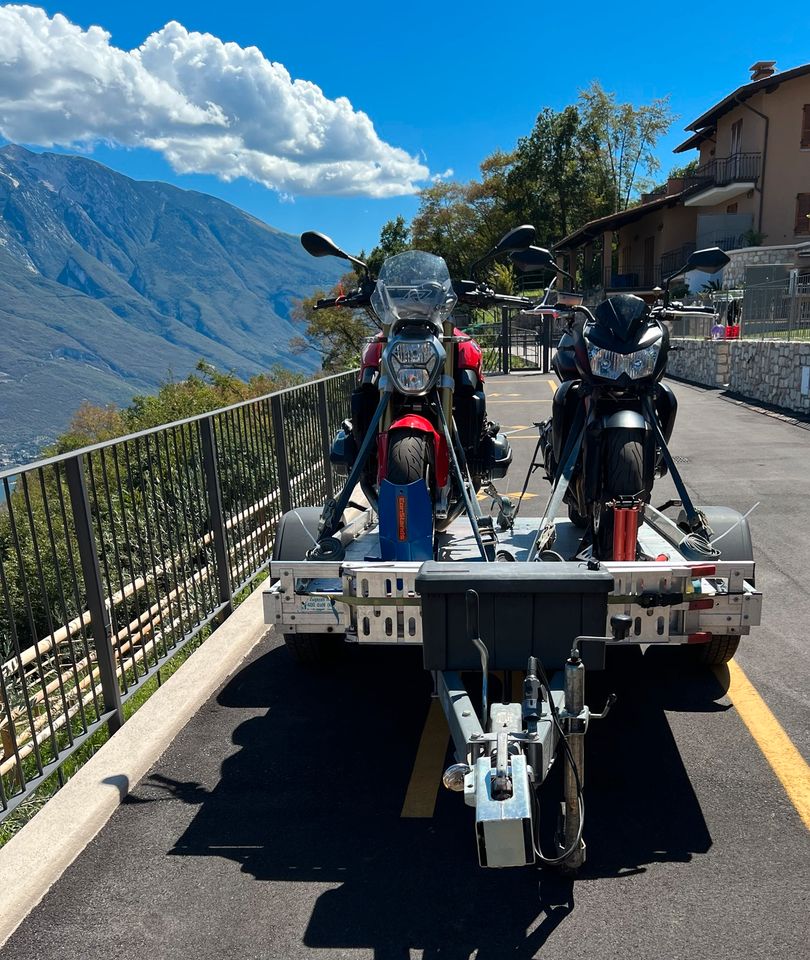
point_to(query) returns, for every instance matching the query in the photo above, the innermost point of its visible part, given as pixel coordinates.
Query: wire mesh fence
(113, 557)
(777, 310)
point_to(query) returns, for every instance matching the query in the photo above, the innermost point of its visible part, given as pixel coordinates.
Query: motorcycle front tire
(624, 477)
(410, 454)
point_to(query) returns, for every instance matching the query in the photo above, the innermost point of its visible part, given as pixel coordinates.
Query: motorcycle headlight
(610, 365)
(415, 364)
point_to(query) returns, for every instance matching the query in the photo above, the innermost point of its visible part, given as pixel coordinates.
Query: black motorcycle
(606, 441)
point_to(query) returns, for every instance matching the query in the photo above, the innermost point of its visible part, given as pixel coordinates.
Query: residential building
(750, 195)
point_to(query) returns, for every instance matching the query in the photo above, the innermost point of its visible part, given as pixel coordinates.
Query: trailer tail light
(702, 637)
(703, 570)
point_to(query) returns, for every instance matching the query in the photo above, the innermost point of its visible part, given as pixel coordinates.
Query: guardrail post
(280, 439)
(96, 602)
(214, 495)
(505, 338)
(326, 440)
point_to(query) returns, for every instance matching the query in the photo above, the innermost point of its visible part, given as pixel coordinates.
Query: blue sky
(445, 84)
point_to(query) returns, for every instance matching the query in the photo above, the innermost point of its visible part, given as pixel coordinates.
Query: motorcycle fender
(624, 420)
(406, 521)
(413, 421)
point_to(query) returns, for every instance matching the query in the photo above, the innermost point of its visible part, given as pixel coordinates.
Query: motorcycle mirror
(709, 260)
(319, 245)
(519, 238)
(533, 258)
(461, 287)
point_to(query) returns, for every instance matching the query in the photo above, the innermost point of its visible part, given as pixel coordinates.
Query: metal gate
(512, 340)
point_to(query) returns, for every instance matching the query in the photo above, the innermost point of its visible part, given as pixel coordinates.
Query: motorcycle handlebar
(484, 298)
(353, 301)
(477, 298)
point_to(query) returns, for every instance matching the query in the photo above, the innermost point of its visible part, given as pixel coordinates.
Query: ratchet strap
(695, 518)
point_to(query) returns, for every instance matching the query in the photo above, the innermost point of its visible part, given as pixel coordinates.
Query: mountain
(108, 285)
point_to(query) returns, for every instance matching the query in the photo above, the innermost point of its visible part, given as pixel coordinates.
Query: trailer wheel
(717, 651)
(316, 651)
(296, 533)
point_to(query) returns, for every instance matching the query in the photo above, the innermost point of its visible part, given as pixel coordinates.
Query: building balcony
(631, 278)
(722, 179)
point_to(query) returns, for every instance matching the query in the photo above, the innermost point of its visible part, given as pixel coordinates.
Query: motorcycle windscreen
(406, 521)
(415, 285)
(622, 315)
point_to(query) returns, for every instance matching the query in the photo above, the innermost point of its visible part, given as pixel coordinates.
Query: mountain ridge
(109, 284)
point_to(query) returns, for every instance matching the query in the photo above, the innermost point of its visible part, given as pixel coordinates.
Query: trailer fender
(296, 533)
(732, 526)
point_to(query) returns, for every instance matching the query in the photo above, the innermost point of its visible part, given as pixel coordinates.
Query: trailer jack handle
(473, 632)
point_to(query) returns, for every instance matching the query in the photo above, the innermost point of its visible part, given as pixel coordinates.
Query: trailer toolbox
(525, 609)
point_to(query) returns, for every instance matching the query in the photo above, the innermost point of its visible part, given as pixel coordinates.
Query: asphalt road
(272, 826)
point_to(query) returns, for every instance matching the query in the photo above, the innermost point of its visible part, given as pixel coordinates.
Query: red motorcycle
(419, 441)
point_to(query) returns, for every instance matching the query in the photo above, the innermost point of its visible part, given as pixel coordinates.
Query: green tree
(686, 170)
(336, 333)
(447, 224)
(395, 237)
(558, 179)
(622, 137)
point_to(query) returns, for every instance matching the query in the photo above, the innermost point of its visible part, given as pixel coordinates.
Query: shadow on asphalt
(315, 791)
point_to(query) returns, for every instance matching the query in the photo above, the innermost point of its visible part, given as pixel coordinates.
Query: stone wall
(700, 361)
(771, 371)
(734, 273)
(768, 371)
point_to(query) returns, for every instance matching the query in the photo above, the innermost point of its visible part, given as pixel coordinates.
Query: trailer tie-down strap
(695, 518)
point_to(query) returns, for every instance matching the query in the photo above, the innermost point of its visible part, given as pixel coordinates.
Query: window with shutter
(805, 145)
(803, 213)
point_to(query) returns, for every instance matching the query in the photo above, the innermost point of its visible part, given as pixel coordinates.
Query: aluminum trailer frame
(504, 754)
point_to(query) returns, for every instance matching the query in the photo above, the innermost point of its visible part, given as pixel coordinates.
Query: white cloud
(208, 106)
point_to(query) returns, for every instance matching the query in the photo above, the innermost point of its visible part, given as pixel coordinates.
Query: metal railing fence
(740, 167)
(641, 276)
(777, 310)
(113, 557)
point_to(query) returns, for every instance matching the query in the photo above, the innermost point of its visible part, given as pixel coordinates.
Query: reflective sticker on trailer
(316, 604)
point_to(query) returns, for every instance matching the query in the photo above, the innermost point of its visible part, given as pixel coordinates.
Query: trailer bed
(671, 600)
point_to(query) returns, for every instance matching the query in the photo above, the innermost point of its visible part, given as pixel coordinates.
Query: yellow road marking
(420, 800)
(536, 400)
(785, 760)
(553, 385)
